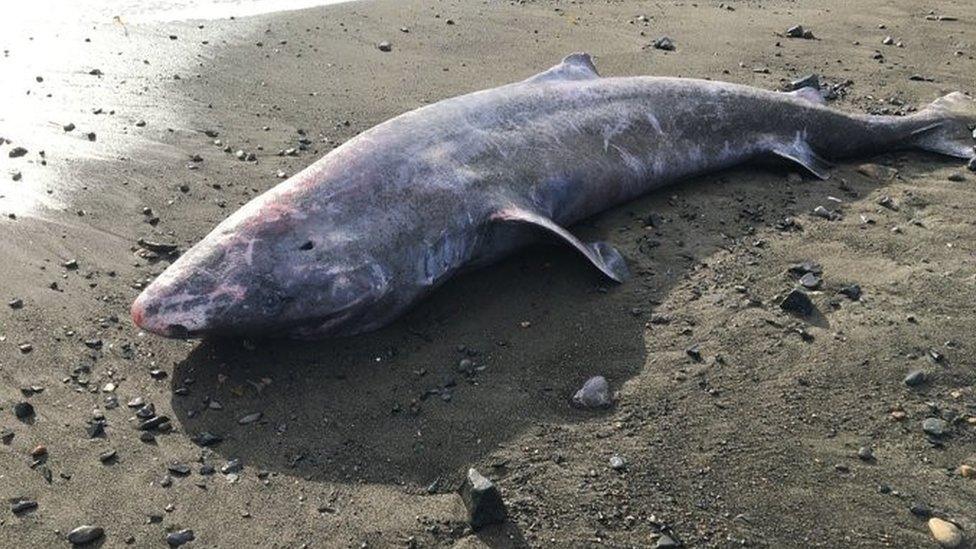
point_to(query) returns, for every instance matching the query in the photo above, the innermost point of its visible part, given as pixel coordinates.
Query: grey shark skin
(351, 242)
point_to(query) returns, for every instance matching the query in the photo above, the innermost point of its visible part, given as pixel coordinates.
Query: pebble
(482, 500)
(16, 303)
(853, 292)
(915, 378)
(175, 539)
(663, 43)
(70, 126)
(180, 469)
(956, 177)
(810, 281)
(808, 81)
(617, 463)
(22, 505)
(23, 410)
(595, 393)
(972, 164)
(865, 453)
(85, 534)
(232, 466)
(108, 456)
(797, 31)
(665, 541)
(945, 533)
(249, 418)
(17, 152)
(935, 426)
(797, 302)
(385, 46)
(966, 471)
(206, 438)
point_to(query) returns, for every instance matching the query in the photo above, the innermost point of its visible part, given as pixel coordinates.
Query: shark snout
(157, 313)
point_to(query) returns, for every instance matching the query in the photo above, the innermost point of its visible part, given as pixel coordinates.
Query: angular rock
(797, 302)
(663, 43)
(482, 500)
(915, 378)
(595, 393)
(23, 410)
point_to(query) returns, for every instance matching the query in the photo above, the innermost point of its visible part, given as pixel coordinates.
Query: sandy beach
(737, 424)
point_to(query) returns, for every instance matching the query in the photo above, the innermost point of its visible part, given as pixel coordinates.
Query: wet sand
(364, 440)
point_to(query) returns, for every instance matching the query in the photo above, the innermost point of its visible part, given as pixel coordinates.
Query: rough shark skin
(348, 244)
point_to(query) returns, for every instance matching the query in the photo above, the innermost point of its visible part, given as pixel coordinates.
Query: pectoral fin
(800, 152)
(604, 256)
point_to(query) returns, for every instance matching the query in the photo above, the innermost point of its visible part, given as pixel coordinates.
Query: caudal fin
(952, 130)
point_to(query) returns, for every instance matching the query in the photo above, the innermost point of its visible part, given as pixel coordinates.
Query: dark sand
(755, 445)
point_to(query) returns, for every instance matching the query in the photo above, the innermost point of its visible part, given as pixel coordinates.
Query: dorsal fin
(575, 66)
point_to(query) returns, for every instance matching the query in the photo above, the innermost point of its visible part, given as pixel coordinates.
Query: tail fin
(952, 130)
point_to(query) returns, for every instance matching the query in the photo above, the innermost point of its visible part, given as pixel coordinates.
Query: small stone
(865, 453)
(888, 41)
(232, 466)
(825, 213)
(178, 469)
(38, 451)
(971, 166)
(482, 500)
(797, 302)
(877, 171)
(91, 136)
(935, 427)
(85, 534)
(385, 46)
(70, 126)
(966, 471)
(808, 81)
(249, 418)
(175, 539)
(241, 155)
(665, 541)
(663, 43)
(956, 177)
(147, 437)
(17, 152)
(945, 533)
(617, 463)
(915, 378)
(23, 410)
(853, 292)
(810, 281)
(206, 438)
(16, 303)
(21, 505)
(797, 31)
(595, 393)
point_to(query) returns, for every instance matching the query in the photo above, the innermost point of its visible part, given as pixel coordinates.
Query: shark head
(266, 270)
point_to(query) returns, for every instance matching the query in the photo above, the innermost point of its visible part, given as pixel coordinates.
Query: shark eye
(308, 245)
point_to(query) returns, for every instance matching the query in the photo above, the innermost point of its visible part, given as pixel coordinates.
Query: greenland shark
(352, 241)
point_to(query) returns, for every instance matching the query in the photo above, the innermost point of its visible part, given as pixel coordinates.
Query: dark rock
(153, 423)
(23, 410)
(694, 352)
(178, 469)
(16, 303)
(385, 46)
(17, 152)
(663, 43)
(22, 505)
(806, 267)
(482, 500)
(853, 292)
(85, 534)
(175, 539)
(915, 378)
(935, 427)
(865, 453)
(665, 541)
(956, 177)
(108, 456)
(798, 31)
(972, 164)
(232, 466)
(95, 428)
(595, 393)
(797, 302)
(206, 438)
